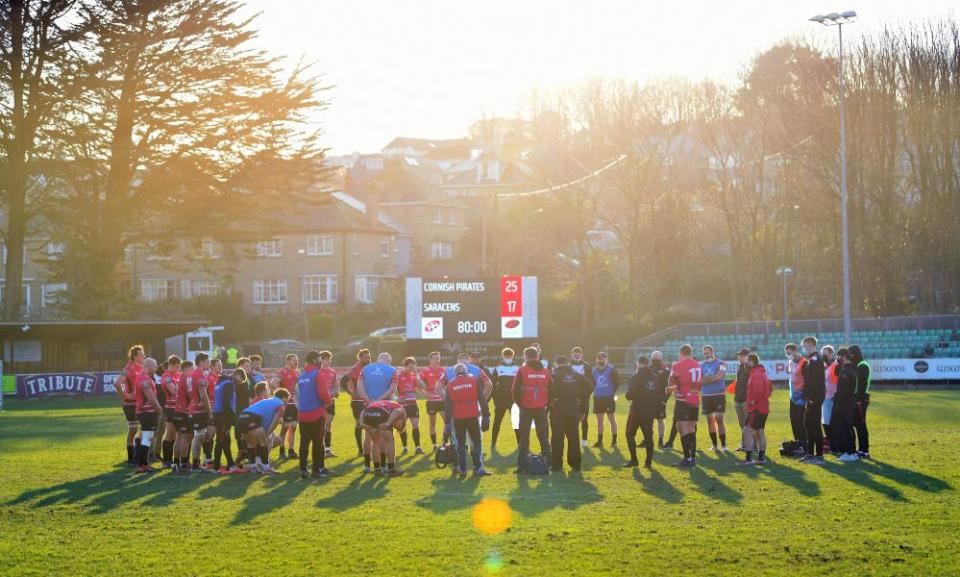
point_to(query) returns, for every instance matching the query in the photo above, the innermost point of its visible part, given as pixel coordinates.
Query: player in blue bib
(713, 396)
(378, 382)
(606, 381)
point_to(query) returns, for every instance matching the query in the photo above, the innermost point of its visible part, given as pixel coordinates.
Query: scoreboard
(457, 310)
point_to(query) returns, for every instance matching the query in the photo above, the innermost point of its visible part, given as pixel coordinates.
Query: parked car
(385, 333)
(289, 344)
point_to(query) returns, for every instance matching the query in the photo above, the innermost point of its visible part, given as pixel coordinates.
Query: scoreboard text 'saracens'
(472, 309)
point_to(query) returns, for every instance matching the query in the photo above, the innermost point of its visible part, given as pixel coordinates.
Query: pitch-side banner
(881, 370)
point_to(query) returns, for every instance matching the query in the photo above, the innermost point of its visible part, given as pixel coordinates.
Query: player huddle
(187, 414)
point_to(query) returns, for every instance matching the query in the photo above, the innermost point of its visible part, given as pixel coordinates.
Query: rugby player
(288, 375)
(168, 383)
(740, 391)
(685, 385)
(795, 370)
(580, 366)
(181, 419)
(408, 384)
(155, 452)
(430, 375)
(256, 370)
(845, 406)
(606, 381)
(313, 398)
(759, 390)
(814, 390)
(466, 397)
(448, 375)
(243, 401)
(830, 378)
(258, 421)
(379, 418)
(531, 390)
(349, 381)
(503, 375)
(476, 359)
(147, 408)
(713, 396)
(200, 410)
(863, 402)
(213, 377)
(662, 375)
(377, 383)
(124, 386)
(568, 389)
(326, 362)
(644, 396)
(225, 417)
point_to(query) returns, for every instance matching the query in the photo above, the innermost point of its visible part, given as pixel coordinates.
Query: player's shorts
(661, 412)
(604, 405)
(130, 413)
(290, 414)
(248, 422)
(168, 414)
(412, 410)
(374, 416)
(224, 420)
(148, 421)
(685, 412)
(357, 405)
(200, 421)
(755, 420)
(182, 422)
(434, 407)
(712, 404)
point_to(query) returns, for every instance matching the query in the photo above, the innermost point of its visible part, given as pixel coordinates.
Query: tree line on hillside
(723, 184)
(143, 121)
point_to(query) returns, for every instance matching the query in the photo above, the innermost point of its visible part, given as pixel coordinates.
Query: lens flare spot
(492, 516)
(493, 564)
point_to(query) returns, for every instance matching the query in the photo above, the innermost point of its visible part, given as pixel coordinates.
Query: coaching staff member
(530, 392)
(568, 390)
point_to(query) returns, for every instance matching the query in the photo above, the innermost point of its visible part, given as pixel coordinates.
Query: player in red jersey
(201, 412)
(349, 381)
(124, 386)
(181, 419)
(213, 376)
(430, 375)
(685, 384)
(378, 419)
(168, 383)
(408, 384)
(326, 362)
(288, 375)
(147, 410)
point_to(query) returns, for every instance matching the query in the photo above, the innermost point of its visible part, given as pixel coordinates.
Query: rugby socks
(358, 435)
(207, 449)
(713, 439)
(168, 451)
(584, 427)
(690, 447)
(599, 439)
(673, 433)
(383, 459)
(416, 438)
(403, 438)
(366, 460)
(130, 453)
(683, 445)
(614, 437)
(723, 439)
(327, 438)
(433, 438)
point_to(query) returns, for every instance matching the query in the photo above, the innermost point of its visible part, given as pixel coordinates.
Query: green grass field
(67, 506)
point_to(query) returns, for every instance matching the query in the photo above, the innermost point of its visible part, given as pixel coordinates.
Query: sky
(430, 68)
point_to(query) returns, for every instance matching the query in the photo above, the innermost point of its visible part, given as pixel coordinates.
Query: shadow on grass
(362, 488)
(283, 489)
(655, 484)
(865, 473)
(451, 494)
(108, 491)
(534, 495)
(787, 475)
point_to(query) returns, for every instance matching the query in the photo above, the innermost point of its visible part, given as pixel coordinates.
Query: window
(365, 289)
(24, 294)
(385, 247)
(270, 292)
(205, 288)
(209, 248)
(270, 248)
(396, 244)
(375, 163)
(356, 244)
(53, 294)
(440, 250)
(55, 250)
(320, 245)
(437, 216)
(152, 290)
(319, 289)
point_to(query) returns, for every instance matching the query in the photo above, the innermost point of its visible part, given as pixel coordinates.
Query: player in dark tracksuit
(644, 397)
(502, 377)
(815, 390)
(581, 366)
(863, 401)
(844, 406)
(567, 391)
(661, 373)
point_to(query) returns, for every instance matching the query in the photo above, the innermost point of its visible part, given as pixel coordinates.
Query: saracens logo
(431, 327)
